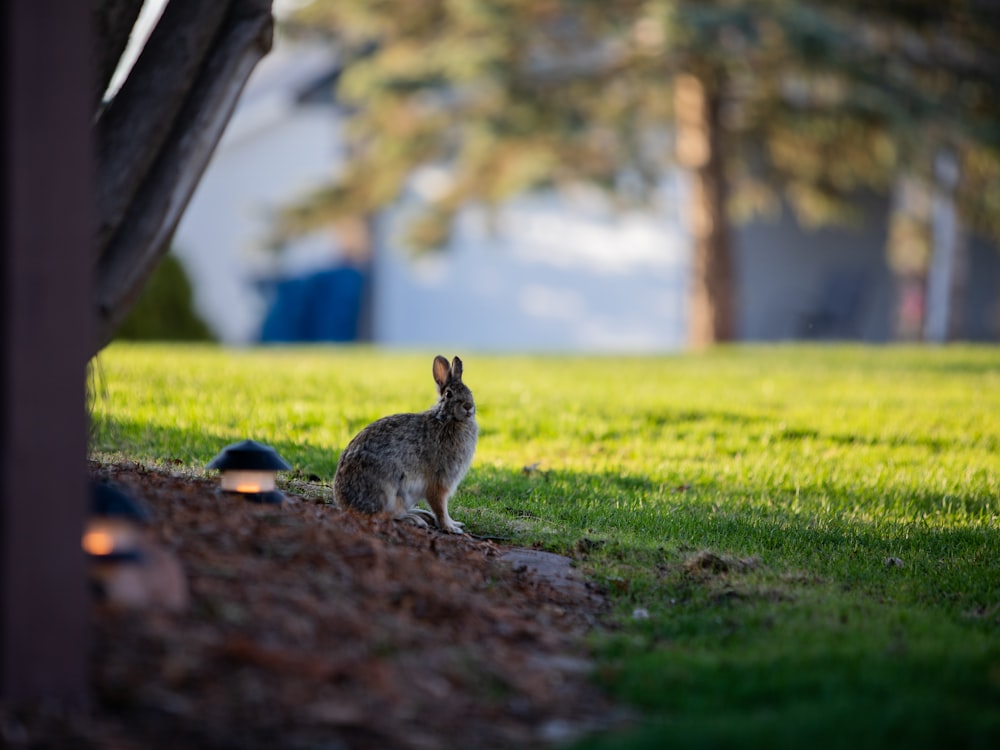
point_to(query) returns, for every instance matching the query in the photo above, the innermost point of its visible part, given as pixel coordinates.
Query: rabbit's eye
(447, 392)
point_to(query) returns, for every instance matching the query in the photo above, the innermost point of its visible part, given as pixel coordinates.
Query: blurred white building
(278, 144)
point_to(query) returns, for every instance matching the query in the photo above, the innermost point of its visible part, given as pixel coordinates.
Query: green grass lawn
(740, 506)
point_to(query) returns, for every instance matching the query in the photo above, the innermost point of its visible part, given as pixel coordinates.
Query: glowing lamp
(113, 533)
(248, 469)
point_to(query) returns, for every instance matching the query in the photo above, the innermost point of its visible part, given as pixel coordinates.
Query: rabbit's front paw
(453, 527)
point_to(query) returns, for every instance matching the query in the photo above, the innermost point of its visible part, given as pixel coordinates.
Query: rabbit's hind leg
(359, 484)
(418, 517)
(408, 494)
(367, 498)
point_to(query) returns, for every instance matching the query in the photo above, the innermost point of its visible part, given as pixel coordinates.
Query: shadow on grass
(860, 700)
(680, 416)
(161, 445)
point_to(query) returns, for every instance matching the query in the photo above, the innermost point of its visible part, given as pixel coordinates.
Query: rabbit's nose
(469, 406)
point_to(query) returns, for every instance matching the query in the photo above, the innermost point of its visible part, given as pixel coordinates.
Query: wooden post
(46, 231)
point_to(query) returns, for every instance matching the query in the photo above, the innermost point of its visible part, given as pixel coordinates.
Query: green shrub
(164, 311)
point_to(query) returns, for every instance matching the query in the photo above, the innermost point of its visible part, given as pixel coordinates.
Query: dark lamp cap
(249, 455)
(108, 499)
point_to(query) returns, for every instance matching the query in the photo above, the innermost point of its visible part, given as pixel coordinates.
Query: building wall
(792, 279)
(799, 283)
(981, 310)
(222, 239)
(552, 275)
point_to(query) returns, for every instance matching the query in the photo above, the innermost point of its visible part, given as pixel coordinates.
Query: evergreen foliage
(164, 311)
(820, 99)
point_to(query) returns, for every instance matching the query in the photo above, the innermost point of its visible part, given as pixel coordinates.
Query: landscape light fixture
(248, 469)
(113, 533)
(128, 568)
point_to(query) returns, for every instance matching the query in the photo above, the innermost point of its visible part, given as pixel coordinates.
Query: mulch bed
(313, 627)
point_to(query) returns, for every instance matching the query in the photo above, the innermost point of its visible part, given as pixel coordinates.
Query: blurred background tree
(766, 103)
(164, 311)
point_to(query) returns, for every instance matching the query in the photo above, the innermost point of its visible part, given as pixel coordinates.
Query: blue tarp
(323, 306)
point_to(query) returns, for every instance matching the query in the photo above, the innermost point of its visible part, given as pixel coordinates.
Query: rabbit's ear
(456, 369)
(441, 371)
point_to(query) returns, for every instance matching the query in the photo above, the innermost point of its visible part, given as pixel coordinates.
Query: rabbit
(398, 460)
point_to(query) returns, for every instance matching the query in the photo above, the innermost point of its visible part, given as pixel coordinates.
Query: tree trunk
(135, 125)
(155, 139)
(112, 25)
(948, 263)
(908, 251)
(711, 312)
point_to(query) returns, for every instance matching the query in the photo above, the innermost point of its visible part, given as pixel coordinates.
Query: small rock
(336, 713)
(13, 732)
(157, 581)
(640, 613)
(893, 562)
(558, 731)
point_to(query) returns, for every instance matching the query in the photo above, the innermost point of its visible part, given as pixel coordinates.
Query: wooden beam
(46, 231)
(133, 236)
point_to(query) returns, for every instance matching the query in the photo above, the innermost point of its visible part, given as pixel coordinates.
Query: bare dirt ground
(313, 627)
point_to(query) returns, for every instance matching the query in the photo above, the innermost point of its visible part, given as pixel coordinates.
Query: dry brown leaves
(310, 626)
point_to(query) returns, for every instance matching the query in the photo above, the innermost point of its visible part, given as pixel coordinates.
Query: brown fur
(396, 461)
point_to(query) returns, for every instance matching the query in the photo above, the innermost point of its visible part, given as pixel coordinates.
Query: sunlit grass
(806, 468)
